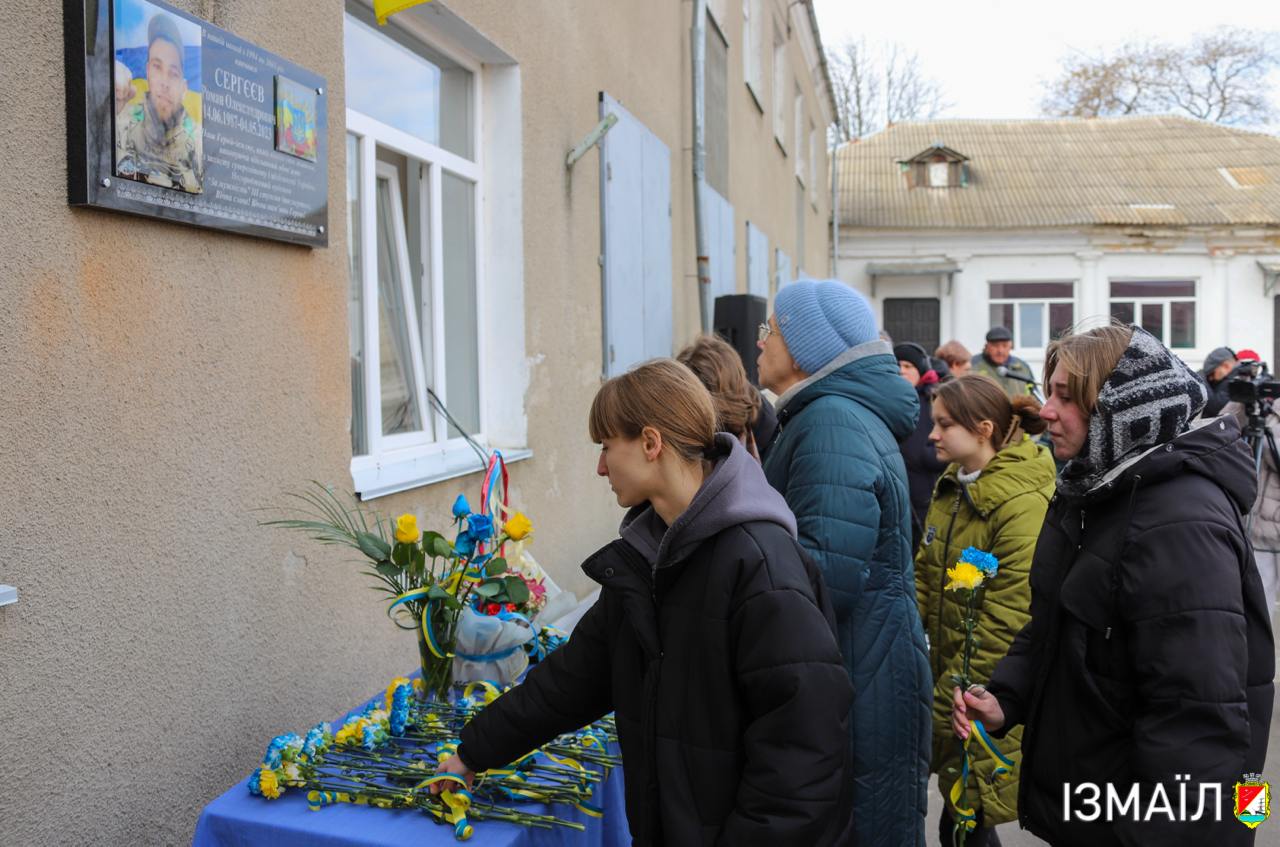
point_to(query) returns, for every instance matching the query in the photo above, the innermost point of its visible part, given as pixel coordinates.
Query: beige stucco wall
(163, 382)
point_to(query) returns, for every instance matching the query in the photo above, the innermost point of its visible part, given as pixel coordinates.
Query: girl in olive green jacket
(992, 496)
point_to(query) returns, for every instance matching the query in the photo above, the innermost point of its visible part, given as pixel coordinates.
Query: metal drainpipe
(698, 35)
(835, 208)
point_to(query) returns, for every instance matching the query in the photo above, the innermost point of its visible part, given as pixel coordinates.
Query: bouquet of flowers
(429, 580)
(973, 569)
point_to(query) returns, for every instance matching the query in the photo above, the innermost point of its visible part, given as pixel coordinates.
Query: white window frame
(814, 151)
(781, 91)
(1167, 301)
(403, 461)
(753, 50)
(800, 122)
(1016, 329)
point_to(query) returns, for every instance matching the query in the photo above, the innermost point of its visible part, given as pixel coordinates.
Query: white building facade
(946, 259)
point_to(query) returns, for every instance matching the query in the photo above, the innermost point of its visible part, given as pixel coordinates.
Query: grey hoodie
(735, 492)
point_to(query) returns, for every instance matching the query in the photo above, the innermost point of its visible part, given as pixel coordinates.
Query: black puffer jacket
(1149, 654)
(714, 643)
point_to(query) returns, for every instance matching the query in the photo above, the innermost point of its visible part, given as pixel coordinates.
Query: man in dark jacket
(842, 410)
(1147, 665)
(921, 460)
(1216, 371)
(998, 362)
(713, 643)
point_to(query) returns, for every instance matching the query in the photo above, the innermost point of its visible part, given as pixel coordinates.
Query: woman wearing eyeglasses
(842, 409)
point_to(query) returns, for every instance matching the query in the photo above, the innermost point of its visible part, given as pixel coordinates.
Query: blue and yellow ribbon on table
(456, 803)
(966, 816)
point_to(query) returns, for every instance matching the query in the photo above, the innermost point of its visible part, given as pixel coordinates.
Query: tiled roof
(1161, 170)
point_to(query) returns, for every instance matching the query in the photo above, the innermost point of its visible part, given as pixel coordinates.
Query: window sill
(415, 467)
(755, 98)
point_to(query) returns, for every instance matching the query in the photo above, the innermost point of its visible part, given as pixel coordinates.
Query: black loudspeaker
(737, 317)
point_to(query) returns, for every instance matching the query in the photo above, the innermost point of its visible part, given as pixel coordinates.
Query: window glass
(1031, 290)
(1182, 324)
(1061, 317)
(1030, 325)
(355, 301)
(396, 80)
(400, 411)
(1153, 319)
(460, 315)
(1153, 288)
(1122, 312)
(1002, 315)
(716, 136)
(781, 108)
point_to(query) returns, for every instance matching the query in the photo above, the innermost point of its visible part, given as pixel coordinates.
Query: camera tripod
(1258, 435)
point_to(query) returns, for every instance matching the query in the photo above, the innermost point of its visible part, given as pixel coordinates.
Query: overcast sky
(992, 56)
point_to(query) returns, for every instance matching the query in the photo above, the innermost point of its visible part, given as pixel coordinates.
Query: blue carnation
(255, 783)
(400, 709)
(275, 750)
(981, 560)
(315, 740)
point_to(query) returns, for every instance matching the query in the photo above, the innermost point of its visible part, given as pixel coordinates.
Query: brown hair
(1089, 358)
(974, 398)
(719, 366)
(663, 394)
(953, 353)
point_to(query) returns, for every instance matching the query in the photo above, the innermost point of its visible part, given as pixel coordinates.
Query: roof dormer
(936, 167)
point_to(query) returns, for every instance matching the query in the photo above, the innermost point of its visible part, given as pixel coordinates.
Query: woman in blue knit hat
(842, 409)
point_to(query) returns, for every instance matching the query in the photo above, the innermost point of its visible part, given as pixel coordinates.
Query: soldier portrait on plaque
(159, 122)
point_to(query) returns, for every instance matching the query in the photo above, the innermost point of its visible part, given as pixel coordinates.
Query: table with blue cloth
(239, 819)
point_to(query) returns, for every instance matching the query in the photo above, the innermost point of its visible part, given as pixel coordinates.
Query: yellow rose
(407, 529)
(268, 783)
(518, 527)
(963, 575)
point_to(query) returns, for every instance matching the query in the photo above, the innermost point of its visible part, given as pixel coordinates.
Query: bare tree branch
(876, 88)
(1221, 76)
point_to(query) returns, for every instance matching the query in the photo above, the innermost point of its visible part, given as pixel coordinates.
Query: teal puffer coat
(836, 461)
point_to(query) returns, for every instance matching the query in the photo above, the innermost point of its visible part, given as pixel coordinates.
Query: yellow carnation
(518, 528)
(268, 783)
(963, 575)
(407, 529)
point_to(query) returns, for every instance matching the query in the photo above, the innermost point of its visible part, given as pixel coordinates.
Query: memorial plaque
(171, 117)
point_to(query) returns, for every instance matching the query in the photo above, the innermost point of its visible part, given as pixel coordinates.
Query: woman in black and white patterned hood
(1148, 661)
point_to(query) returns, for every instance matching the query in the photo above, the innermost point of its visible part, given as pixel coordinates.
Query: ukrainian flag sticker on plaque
(1253, 800)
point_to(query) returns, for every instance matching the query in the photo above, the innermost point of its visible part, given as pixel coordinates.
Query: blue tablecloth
(238, 819)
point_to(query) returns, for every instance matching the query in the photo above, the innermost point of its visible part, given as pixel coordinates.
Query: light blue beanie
(822, 318)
